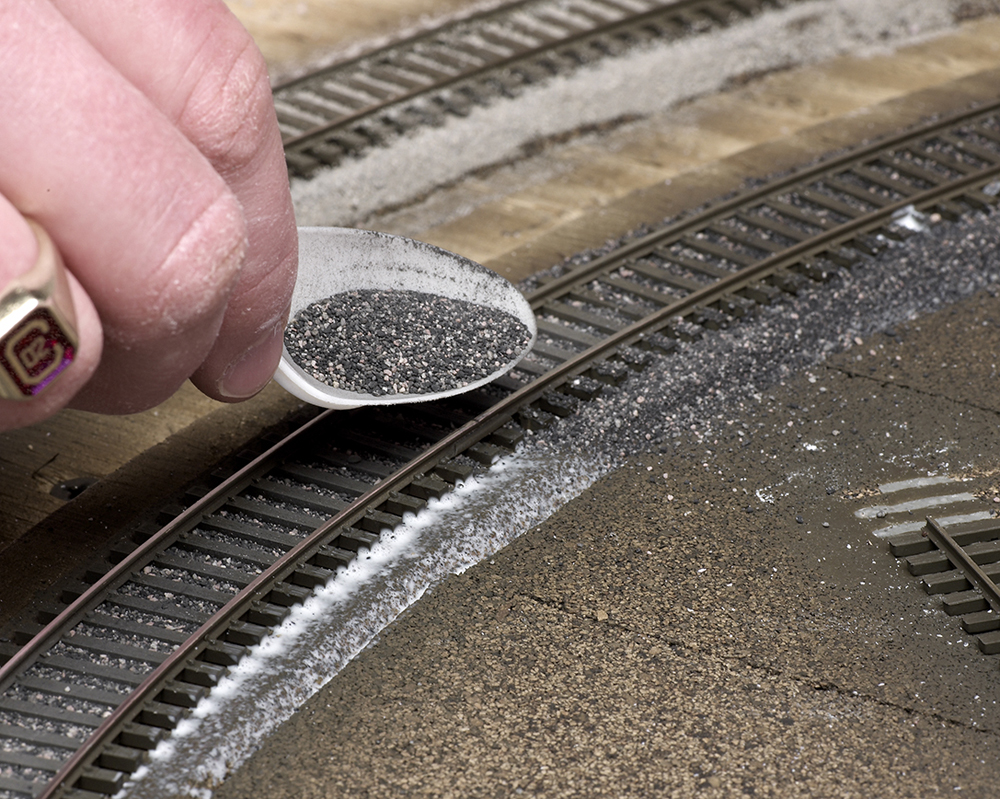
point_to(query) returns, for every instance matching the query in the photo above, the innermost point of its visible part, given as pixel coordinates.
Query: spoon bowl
(337, 260)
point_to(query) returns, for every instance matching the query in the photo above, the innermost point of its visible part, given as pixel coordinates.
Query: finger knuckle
(230, 113)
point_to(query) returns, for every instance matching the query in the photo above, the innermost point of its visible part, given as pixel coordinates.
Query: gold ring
(37, 324)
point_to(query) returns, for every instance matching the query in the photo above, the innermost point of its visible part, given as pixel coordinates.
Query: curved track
(148, 635)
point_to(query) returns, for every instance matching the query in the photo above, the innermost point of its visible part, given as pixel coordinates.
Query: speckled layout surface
(710, 616)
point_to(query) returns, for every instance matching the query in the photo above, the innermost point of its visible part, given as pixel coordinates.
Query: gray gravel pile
(706, 385)
(402, 342)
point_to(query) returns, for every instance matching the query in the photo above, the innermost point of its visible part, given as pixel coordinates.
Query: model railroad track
(961, 563)
(107, 669)
(345, 109)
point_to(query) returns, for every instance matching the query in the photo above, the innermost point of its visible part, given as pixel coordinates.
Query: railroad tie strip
(961, 563)
(349, 107)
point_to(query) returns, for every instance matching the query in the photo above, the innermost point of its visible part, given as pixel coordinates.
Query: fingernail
(249, 373)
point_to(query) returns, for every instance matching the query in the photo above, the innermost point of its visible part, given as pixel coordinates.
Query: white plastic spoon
(337, 260)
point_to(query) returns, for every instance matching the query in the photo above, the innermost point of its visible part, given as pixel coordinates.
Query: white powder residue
(645, 81)
(321, 636)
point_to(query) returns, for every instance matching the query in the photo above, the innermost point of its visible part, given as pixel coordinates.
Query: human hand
(142, 136)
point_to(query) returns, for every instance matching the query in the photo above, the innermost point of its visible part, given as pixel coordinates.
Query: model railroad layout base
(101, 675)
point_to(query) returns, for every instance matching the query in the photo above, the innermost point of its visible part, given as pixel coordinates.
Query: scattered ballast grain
(382, 342)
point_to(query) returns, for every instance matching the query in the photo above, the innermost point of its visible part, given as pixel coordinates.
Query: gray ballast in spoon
(383, 320)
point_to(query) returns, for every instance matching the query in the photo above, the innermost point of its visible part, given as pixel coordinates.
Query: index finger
(151, 231)
(200, 67)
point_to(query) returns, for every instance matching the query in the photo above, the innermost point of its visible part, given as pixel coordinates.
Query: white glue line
(916, 504)
(917, 482)
(321, 636)
(947, 521)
